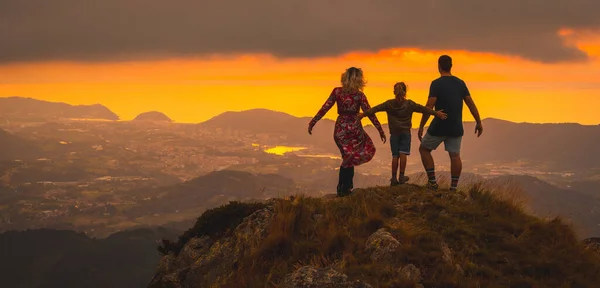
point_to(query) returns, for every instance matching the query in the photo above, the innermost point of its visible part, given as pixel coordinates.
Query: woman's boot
(350, 179)
(341, 182)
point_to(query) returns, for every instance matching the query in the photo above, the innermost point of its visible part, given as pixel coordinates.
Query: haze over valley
(80, 169)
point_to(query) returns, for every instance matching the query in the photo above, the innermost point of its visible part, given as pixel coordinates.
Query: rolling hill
(55, 258)
(153, 116)
(17, 148)
(211, 190)
(29, 109)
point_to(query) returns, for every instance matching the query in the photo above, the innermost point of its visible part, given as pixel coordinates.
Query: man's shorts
(452, 144)
(400, 144)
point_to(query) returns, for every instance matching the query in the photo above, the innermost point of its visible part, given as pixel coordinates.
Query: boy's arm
(381, 107)
(416, 107)
(366, 107)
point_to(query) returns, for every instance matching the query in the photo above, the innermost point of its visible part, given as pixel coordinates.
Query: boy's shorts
(400, 144)
(452, 144)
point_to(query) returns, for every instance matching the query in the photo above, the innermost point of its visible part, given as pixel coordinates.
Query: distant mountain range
(554, 146)
(557, 146)
(33, 109)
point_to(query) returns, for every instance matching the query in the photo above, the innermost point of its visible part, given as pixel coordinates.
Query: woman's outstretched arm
(365, 106)
(324, 109)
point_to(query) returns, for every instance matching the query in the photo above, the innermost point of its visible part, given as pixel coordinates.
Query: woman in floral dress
(355, 145)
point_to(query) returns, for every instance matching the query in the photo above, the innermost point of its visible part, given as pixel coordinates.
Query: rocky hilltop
(379, 237)
(153, 116)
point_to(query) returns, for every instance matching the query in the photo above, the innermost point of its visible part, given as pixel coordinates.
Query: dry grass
(215, 223)
(492, 240)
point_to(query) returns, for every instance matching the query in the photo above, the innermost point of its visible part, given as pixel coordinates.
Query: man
(446, 93)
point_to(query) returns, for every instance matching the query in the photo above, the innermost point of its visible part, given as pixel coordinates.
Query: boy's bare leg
(395, 167)
(394, 180)
(402, 179)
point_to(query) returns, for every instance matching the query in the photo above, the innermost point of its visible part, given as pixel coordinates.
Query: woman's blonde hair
(353, 80)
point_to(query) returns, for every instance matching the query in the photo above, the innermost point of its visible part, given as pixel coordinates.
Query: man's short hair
(445, 63)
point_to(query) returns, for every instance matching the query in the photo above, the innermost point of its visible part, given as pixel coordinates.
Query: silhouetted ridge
(23, 108)
(153, 116)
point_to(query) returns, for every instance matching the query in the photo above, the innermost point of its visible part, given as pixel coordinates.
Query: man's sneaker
(404, 179)
(432, 185)
(394, 182)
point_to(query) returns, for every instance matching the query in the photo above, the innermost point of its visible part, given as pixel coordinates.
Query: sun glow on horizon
(196, 89)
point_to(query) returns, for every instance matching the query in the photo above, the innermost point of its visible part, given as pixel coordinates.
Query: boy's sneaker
(394, 182)
(404, 179)
(432, 185)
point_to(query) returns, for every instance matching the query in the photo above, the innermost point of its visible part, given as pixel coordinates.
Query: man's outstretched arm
(473, 108)
(425, 116)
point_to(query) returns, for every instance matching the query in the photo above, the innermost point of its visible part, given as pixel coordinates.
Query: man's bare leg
(429, 166)
(455, 169)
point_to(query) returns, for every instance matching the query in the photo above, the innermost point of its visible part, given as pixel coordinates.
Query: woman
(355, 145)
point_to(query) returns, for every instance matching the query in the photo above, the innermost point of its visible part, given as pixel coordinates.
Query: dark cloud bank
(35, 30)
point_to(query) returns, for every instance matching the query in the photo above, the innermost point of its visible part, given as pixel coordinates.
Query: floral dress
(354, 143)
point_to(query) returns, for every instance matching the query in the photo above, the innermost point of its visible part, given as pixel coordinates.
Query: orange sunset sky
(195, 88)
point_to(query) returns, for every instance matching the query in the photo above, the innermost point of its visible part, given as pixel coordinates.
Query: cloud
(36, 30)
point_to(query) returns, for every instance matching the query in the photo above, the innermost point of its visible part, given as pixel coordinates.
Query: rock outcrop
(210, 264)
(381, 245)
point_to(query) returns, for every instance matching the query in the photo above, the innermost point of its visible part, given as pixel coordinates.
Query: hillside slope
(53, 258)
(540, 198)
(32, 109)
(14, 147)
(380, 237)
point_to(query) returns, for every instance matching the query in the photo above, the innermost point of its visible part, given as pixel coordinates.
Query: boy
(399, 112)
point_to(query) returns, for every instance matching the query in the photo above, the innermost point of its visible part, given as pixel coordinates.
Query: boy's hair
(401, 88)
(445, 63)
